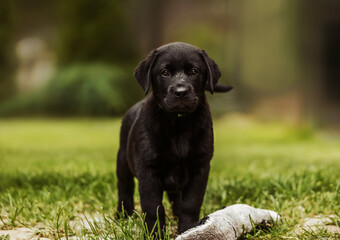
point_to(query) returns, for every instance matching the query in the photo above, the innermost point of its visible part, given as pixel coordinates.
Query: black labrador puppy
(166, 140)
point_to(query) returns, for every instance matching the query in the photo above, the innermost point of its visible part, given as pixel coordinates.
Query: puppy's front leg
(151, 196)
(193, 195)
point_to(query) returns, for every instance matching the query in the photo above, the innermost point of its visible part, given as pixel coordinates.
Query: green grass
(55, 173)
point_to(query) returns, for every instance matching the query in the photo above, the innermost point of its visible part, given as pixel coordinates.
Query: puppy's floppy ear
(143, 71)
(214, 72)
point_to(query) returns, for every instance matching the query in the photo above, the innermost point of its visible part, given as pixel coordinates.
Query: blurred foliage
(95, 30)
(78, 90)
(265, 49)
(6, 49)
(96, 55)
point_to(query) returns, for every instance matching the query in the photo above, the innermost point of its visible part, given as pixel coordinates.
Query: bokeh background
(66, 79)
(76, 58)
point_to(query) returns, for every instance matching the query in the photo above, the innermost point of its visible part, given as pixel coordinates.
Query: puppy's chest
(177, 158)
(180, 146)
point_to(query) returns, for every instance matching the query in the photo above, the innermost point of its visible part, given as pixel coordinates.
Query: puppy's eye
(193, 71)
(165, 73)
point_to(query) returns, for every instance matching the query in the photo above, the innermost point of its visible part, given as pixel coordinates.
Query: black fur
(166, 140)
(202, 221)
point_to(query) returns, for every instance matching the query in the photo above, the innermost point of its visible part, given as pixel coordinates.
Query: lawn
(57, 177)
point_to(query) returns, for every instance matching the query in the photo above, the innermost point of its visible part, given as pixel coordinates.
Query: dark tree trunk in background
(320, 55)
(331, 59)
(6, 49)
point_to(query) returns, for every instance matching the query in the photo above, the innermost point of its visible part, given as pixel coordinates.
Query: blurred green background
(76, 58)
(66, 79)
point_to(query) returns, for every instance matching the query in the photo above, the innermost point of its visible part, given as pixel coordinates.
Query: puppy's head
(179, 73)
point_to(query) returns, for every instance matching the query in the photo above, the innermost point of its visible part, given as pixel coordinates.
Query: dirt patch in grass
(19, 234)
(318, 224)
(23, 233)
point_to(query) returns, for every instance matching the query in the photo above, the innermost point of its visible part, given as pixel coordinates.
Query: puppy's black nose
(181, 90)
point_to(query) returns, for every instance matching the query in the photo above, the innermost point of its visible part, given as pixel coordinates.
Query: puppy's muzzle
(180, 90)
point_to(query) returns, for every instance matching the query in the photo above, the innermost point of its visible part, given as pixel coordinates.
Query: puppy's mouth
(180, 105)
